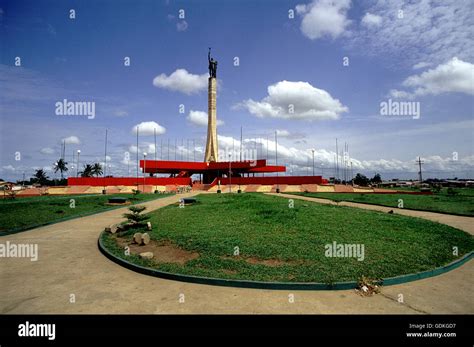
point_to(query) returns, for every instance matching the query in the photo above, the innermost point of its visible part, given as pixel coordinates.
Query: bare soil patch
(163, 251)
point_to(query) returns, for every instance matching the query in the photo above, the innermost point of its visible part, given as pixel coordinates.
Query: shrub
(451, 192)
(135, 217)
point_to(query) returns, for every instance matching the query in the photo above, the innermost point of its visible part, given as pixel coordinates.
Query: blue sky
(424, 55)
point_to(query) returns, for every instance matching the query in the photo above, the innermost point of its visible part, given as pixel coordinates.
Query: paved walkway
(70, 264)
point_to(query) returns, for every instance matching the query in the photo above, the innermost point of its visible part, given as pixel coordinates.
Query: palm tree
(97, 169)
(41, 176)
(61, 166)
(87, 171)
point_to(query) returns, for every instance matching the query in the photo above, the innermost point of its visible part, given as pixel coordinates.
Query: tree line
(88, 170)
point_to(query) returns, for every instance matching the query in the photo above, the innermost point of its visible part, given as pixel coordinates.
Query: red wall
(273, 180)
(127, 181)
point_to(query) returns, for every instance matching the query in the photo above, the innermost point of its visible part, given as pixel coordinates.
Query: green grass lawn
(462, 203)
(265, 228)
(26, 213)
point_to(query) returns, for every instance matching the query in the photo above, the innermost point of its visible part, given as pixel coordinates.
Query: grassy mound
(278, 243)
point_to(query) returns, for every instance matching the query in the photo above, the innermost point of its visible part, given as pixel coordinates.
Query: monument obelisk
(211, 144)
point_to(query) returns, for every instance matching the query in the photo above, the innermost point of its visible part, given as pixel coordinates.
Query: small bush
(135, 217)
(451, 192)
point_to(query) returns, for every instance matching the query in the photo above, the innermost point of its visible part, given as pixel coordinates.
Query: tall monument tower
(211, 144)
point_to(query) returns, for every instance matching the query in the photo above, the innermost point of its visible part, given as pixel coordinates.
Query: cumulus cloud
(400, 94)
(145, 147)
(371, 20)
(298, 159)
(71, 140)
(182, 25)
(455, 76)
(9, 168)
(121, 113)
(295, 100)
(47, 150)
(200, 118)
(132, 149)
(150, 148)
(148, 128)
(421, 65)
(282, 133)
(181, 81)
(322, 18)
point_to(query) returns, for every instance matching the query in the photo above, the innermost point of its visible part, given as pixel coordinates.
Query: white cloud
(182, 25)
(200, 118)
(47, 150)
(8, 168)
(427, 31)
(295, 100)
(227, 141)
(182, 81)
(421, 65)
(146, 147)
(121, 113)
(324, 18)
(400, 94)
(282, 133)
(147, 129)
(132, 149)
(150, 148)
(455, 76)
(301, 159)
(371, 20)
(71, 140)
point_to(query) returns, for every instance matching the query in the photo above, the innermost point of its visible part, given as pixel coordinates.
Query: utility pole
(267, 147)
(240, 143)
(419, 172)
(154, 137)
(105, 163)
(276, 159)
(63, 151)
(138, 129)
(352, 175)
(230, 173)
(337, 162)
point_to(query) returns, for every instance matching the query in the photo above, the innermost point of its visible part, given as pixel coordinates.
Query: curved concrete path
(70, 266)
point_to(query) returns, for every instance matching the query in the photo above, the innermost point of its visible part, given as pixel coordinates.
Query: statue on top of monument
(212, 65)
